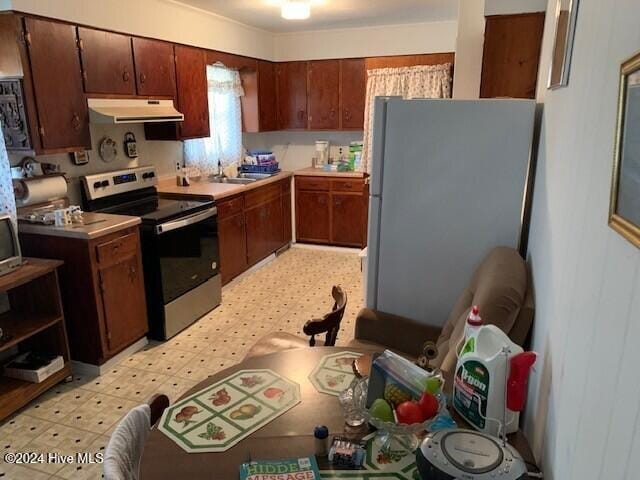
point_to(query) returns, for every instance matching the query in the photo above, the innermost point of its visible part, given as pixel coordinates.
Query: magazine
(305, 468)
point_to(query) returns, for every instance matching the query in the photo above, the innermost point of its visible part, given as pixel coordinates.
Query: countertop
(318, 172)
(217, 191)
(95, 225)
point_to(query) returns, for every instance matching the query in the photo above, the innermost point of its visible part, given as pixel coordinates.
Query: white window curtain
(224, 144)
(423, 81)
(7, 199)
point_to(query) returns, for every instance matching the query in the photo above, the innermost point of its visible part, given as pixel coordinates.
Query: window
(224, 145)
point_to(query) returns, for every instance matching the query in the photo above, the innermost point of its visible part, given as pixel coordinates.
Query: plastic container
(274, 168)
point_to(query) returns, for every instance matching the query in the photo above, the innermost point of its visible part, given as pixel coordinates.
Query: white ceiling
(328, 14)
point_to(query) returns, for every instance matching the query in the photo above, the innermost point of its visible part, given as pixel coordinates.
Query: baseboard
(326, 248)
(93, 370)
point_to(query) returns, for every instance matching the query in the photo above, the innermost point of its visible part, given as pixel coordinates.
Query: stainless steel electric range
(179, 238)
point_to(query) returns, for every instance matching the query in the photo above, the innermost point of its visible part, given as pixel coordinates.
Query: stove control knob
(96, 185)
(104, 183)
(148, 175)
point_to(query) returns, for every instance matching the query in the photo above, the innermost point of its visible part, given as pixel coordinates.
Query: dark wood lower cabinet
(331, 211)
(252, 226)
(102, 286)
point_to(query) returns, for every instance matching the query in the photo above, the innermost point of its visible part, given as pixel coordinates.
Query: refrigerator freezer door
(454, 183)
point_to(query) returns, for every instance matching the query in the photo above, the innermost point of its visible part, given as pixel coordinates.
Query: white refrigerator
(448, 183)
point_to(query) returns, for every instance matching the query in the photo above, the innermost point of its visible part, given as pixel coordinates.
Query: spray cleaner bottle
(490, 382)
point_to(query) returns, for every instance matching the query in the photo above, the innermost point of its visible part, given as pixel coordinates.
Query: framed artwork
(566, 16)
(624, 209)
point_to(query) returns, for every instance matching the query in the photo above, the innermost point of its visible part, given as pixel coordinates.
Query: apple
(432, 385)
(409, 412)
(428, 404)
(381, 410)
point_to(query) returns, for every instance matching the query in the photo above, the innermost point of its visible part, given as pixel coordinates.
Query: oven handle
(185, 221)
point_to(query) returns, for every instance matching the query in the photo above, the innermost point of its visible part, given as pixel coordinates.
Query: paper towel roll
(39, 190)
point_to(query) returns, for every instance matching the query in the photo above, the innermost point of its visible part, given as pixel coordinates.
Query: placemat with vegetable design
(334, 373)
(218, 417)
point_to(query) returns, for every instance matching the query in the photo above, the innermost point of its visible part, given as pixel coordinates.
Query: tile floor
(79, 416)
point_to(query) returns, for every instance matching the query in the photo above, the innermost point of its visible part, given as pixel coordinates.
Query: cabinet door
(292, 95)
(107, 62)
(287, 232)
(511, 55)
(353, 90)
(264, 230)
(267, 99)
(232, 238)
(193, 98)
(63, 115)
(323, 98)
(347, 219)
(123, 301)
(155, 68)
(312, 216)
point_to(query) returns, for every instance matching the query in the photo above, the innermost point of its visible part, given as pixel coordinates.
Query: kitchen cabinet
(291, 82)
(107, 62)
(331, 210)
(512, 45)
(353, 87)
(267, 97)
(63, 115)
(155, 68)
(287, 229)
(193, 97)
(232, 238)
(102, 290)
(324, 94)
(264, 222)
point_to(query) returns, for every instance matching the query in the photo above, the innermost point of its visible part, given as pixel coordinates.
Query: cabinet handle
(143, 78)
(337, 203)
(332, 114)
(75, 121)
(301, 114)
(347, 115)
(125, 76)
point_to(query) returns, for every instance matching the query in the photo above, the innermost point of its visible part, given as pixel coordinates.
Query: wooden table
(288, 436)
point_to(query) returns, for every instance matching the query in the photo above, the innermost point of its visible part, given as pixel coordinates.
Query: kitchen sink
(242, 178)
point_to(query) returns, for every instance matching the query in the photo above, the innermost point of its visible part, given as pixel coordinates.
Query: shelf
(15, 394)
(24, 325)
(31, 269)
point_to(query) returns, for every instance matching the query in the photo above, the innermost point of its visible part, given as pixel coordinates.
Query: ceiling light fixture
(296, 9)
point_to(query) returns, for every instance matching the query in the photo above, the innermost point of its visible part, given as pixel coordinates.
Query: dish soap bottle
(489, 387)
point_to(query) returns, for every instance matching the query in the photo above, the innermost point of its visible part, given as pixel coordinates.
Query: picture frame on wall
(624, 209)
(565, 28)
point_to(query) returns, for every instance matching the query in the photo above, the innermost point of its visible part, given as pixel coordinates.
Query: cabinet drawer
(347, 185)
(117, 248)
(230, 206)
(261, 195)
(312, 183)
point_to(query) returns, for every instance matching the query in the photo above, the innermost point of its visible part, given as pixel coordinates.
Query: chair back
(124, 451)
(330, 323)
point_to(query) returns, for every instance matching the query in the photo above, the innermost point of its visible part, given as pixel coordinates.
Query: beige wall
(505, 7)
(432, 37)
(469, 47)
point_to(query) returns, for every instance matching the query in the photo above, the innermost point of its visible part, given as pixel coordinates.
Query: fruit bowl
(390, 433)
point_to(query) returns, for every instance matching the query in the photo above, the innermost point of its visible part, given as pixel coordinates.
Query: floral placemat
(334, 372)
(397, 464)
(221, 415)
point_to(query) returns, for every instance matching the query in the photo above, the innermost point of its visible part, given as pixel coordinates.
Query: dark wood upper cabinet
(323, 97)
(107, 62)
(267, 97)
(353, 88)
(512, 46)
(63, 115)
(292, 95)
(155, 68)
(193, 97)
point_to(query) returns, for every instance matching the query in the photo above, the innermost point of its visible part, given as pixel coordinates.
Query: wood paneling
(291, 84)
(353, 88)
(193, 100)
(323, 96)
(511, 55)
(409, 60)
(63, 115)
(107, 62)
(155, 67)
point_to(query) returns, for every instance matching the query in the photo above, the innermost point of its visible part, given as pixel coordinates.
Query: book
(305, 468)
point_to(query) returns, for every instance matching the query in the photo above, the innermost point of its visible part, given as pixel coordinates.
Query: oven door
(188, 251)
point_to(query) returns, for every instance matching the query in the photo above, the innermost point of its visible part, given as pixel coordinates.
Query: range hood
(111, 110)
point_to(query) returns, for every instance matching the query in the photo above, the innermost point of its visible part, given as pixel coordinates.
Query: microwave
(10, 255)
